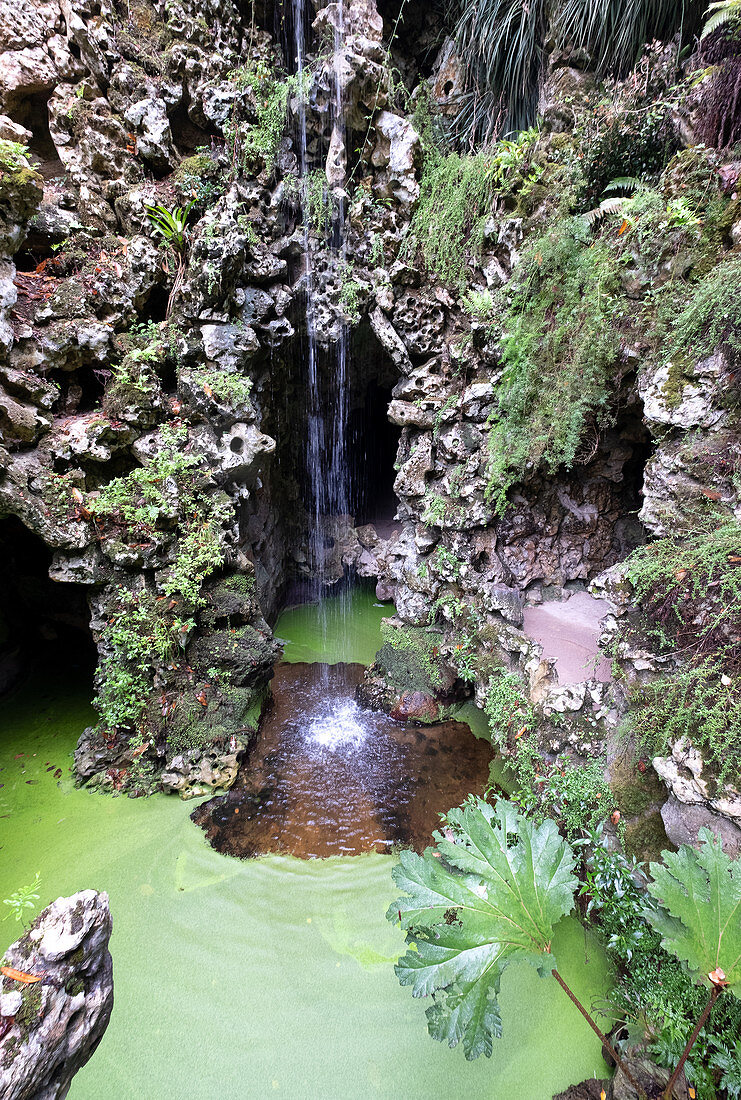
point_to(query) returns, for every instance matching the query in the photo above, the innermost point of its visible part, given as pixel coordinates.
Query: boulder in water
(52, 1026)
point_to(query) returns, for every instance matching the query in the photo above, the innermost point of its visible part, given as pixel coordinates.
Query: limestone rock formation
(49, 1028)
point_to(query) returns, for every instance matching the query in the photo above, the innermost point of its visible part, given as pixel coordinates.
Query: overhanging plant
(699, 920)
(171, 226)
(491, 892)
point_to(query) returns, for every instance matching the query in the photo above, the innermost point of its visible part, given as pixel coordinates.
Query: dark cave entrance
(372, 444)
(370, 440)
(369, 451)
(44, 624)
(32, 112)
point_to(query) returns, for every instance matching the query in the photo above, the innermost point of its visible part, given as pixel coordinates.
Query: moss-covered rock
(243, 655)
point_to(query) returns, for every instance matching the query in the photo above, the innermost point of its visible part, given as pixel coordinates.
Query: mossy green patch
(646, 838)
(634, 792)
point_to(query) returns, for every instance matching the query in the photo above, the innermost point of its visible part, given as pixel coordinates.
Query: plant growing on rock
(145, 630)
(171, 225)
(502, 44)
(23, 901)
(689, 595)
(560, 344)
(455, 200)
(13, 155)
(270, 94)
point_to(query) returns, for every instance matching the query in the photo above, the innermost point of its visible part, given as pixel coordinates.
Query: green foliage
(513, 723)
(711, 317)
(435, 509)
(579, 796)
(229, 389)
(350, 293)
(614, 32)
(170, 224)
(699, 915)
(446, 564)
(507, 708)
(413, 662)
(318, 202)
(689, 594)
(260, 140)
(654, 991)
(502, 44)
(23, 900)
(478, 304)
(493, 892)
(615, 900)
(449, 403)
(145, 631)
(199, 177)
(720, 13)
(691, 704)
(559, 346)
(13, 155)
(456, 195)
(623, 137)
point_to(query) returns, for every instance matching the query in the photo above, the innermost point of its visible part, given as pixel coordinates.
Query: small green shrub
(13, 155)
(23, 902)
(319, 205)
(653, 992)
(260, 141)
(230, 389)
(578, 796)
(199, 177)
(711, 318)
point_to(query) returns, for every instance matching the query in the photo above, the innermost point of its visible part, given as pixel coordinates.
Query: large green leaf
(492, 891)
(700, 915)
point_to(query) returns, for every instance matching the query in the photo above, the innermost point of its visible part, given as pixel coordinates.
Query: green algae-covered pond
(261, 977)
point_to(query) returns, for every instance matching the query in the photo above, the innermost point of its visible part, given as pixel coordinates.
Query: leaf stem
(698, 1027)
(605, 1041)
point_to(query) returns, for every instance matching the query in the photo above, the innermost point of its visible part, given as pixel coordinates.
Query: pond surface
(328, 777)
(249, 979)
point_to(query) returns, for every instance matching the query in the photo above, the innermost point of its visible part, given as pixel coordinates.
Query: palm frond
(615, 31)
(501, 43)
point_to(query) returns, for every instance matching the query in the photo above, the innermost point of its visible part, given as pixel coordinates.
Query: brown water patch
(327, 777)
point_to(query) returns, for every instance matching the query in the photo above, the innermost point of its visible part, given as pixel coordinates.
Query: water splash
(339, 727)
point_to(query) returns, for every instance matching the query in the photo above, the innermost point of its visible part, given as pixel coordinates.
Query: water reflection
(327, 777)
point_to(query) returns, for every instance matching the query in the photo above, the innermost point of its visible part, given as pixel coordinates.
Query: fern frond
(607, 206)
(727, 11)
(626, 183)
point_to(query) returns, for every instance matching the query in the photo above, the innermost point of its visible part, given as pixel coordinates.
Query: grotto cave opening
(358, 460)
(32, 112)
(44, 623)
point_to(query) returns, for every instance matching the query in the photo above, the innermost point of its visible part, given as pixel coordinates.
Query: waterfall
(327, 398)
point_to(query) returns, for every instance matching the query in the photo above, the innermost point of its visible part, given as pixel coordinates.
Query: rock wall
(152, 382)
